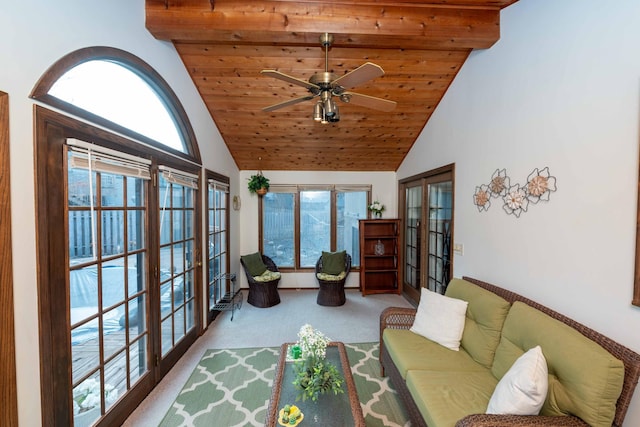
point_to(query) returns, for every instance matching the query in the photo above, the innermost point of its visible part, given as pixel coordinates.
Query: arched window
(117, 90)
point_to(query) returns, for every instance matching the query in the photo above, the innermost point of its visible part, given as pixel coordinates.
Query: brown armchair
(331, 292)
(263, 294)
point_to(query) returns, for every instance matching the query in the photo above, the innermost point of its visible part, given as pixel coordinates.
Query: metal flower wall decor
(516, 198)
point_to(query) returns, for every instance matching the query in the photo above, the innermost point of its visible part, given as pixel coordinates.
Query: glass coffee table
(330, 409)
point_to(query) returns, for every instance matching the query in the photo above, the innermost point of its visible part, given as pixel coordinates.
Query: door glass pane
(315, 226)
(111, 375)
(440, 204)
(107, 289)
(112, 222)
(111, 190)
(113, 282)
(135, 230)
(412, 233)
(137, 360)
(177, 258)
(350, 207)
(86, 401)
(178, 225)
(278, 228)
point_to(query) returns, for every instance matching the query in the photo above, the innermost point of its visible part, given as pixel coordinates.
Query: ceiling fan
(326, 85)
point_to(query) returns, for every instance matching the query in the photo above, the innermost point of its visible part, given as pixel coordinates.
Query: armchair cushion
(332, 277)
(333, 262)
(267, 276)
(254, 264)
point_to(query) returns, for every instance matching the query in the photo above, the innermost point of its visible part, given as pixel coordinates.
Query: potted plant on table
(258, 184)
(314, 375)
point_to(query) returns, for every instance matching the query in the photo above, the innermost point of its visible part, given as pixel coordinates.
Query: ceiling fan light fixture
(336, 116)
(330, 107)
(318, 111)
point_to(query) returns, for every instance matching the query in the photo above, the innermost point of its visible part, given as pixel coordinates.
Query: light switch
(458, 248)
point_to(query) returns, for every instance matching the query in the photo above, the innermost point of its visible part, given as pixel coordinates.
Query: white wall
(560, 89)
(383, 188)
(33, 35)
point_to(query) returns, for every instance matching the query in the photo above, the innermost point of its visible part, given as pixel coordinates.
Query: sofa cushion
(584, 379)
(485, 316)
(523, 389)
(254, 264)
(446, 397)
(440, 318)
(333, 262)
(411, 351)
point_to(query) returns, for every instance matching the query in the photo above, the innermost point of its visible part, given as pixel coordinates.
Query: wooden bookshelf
(379, 256)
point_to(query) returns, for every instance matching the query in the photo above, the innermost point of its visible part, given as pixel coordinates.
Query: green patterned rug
(232, 387)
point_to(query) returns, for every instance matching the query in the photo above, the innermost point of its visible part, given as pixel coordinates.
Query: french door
(176, 271)
(108, 286)
(413, 220)
(218, 278)
(426, 206)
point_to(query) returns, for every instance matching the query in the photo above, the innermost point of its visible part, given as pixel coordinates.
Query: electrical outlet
(458, 248)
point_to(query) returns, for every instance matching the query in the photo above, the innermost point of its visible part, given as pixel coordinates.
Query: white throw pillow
(523, 389)
(440, 318)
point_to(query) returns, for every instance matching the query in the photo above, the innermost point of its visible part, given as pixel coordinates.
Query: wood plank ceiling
(224, 45)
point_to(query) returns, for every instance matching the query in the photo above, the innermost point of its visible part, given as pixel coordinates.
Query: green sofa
(591, 378)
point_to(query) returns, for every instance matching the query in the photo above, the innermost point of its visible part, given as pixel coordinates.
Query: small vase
(378, 249)
(377, 215)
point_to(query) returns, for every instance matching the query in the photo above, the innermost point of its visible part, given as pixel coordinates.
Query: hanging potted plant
(258, 184)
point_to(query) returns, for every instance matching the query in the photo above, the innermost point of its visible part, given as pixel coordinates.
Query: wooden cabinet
(379, 256)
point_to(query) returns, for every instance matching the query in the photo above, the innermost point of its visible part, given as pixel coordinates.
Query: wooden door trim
(8, 382)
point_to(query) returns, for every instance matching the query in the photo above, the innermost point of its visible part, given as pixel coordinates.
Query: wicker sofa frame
(402, 318)
(331, 292)
(263, 294)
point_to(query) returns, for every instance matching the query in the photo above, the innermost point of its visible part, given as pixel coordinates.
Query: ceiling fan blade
(284, 77)
(360, 75)
(368, 101)
(287, 103)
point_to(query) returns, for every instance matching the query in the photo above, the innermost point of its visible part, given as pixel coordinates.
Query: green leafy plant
(258, 181)
(315, 376)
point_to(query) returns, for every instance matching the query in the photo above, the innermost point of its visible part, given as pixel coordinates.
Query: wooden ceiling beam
(382, 25)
